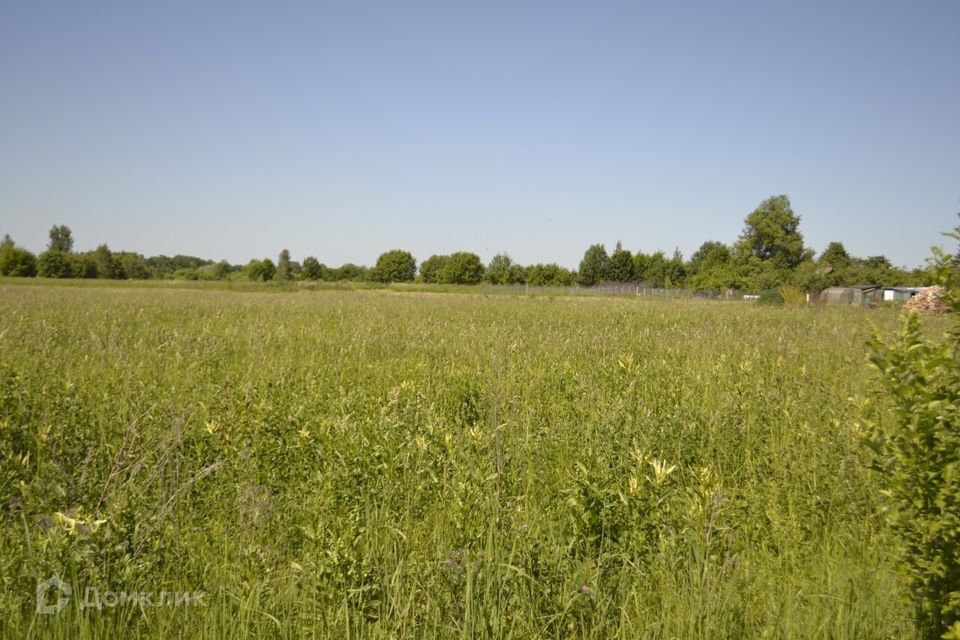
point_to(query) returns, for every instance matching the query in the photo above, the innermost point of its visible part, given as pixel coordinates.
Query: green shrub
(771, 298)
(918, 456)
(16, 261)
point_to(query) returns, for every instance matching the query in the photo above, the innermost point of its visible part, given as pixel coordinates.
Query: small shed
(837, 295)
(900, 294)
(861, 294)
(867, 293)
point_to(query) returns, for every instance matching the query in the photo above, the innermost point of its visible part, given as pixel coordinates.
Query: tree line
(769, 253)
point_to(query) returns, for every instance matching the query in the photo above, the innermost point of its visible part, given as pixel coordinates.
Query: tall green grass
(368, 464)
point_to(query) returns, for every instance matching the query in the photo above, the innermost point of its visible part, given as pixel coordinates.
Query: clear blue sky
(342, 129)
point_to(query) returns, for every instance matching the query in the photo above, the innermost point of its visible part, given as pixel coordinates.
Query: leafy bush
(54, 264)
(771, 298)
(262, 270)
(16, 261)
(918, 455)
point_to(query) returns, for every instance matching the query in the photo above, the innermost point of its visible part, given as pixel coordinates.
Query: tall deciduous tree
(312, 269)
(283, 266)
(834, 264)
(432, 267)
(462, 267)
(875, 270)
(676, 271)
(621, 265)
(711, 268)
(395, 266)
(499, 269)
(106, 263)
(656, 269)
(61, 239)
(835, 255)
(594, 266)
(710, 255)
(772, 234)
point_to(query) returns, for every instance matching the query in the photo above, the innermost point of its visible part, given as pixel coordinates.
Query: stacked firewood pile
(931, 301)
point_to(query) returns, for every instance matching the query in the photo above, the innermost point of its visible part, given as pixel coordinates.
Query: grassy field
(383, 464)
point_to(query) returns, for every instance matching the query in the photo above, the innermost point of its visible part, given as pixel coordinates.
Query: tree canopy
(261, 270)
(462, 267)
(395, 266)
(312, 269)
(61, 239)
(772, 234)
(498, 271)
(594, 266)
(432, 267)
(15, 261)
(283, 271)
(621, 267)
